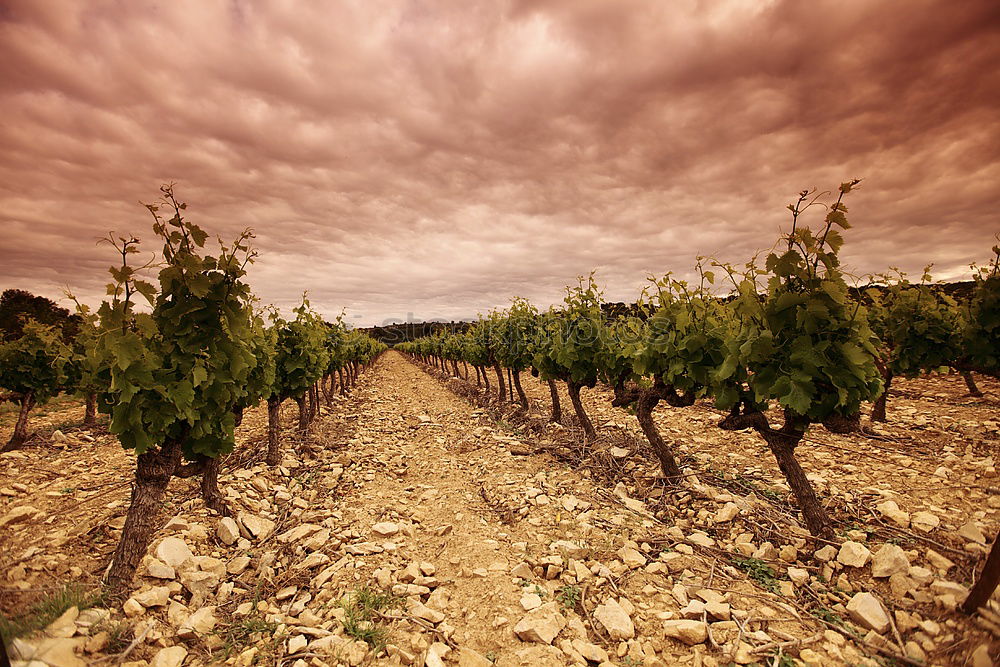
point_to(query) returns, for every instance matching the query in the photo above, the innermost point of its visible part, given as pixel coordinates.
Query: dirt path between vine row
(496, 554)
(492, 529)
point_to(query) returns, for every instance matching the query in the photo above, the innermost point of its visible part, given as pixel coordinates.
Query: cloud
(438, 158)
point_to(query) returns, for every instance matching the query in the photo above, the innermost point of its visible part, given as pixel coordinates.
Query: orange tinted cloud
(437, 158)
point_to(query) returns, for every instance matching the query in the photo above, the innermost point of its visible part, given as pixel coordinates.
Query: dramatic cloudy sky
(437, 157)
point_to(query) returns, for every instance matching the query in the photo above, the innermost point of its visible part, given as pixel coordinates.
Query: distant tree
(33, 369)
(18, 306)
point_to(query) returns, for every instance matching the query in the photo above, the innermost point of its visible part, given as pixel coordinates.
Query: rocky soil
(414, 527)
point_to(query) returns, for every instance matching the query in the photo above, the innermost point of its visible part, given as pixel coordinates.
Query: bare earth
(505, 540)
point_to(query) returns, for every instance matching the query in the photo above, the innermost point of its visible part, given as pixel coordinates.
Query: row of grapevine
(176, 374)
(40, 350)
(790, 336)
(920, 329)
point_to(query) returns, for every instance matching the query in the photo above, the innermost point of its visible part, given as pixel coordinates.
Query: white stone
(157, 569)
(300, 532)
(296, 644)
(613, 617)
(133, 608)
(177, 524)
(237, 565)
(853, 554)
(256, 526)
(689, 632)
(172, 656)
(694, 609)
(972, 532)
(541, 625)
(798, 575)
(51, 651)
(631, 557)
(569, 549)
(701, 539)
(939, 562)
(65, 625)
(980, 657)
(718, 610)
(867, 611)
(154, 597)
(925, 521)
(227, 531)
(591, 652)
(385, 529)
(889, 560)
(174, 552)
(198, 624)
(20, 514)
(420, 610)
(200, 584)
(468, 657)
(435, 655)
(531, 601)
(825, 554)
(890, 510)
(728, 512)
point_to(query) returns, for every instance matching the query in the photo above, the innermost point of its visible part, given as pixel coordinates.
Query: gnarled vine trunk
(556, 407)
(152, 475)
(521, 396)
(210, 492)
(208, 469)
(574, 396)
(20, 434)
(343, 385)
(987, 582)
(303, 428)
(644, 413)
(501, 389)
(878, 410)
(325, 389)
(90, 410)
(782, 443)
(970, 384)
(273, 426)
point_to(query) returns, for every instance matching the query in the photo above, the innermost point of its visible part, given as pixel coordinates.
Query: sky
(409, 158)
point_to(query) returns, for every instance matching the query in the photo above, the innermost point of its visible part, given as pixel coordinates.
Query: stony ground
(415, 527)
